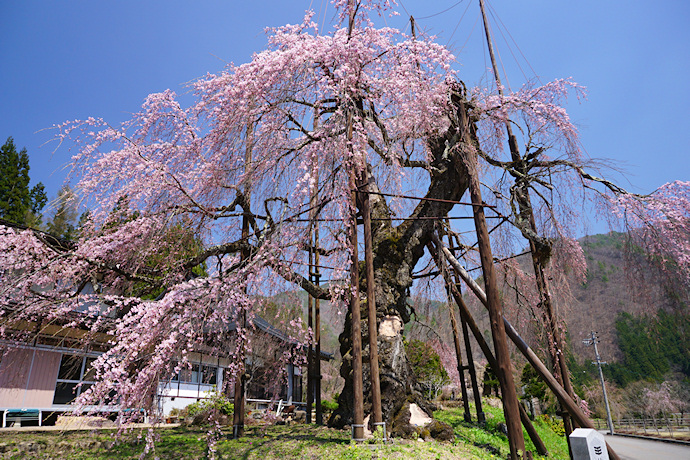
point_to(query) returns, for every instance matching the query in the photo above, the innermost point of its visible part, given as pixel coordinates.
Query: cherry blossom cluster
(660, 224)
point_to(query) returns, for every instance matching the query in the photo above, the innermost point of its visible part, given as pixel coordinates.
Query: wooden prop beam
(481, 417)
(494, 304)
(484, 346)
(376, 413)
(565, 399)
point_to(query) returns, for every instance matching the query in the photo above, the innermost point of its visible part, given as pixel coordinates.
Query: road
(643, 449)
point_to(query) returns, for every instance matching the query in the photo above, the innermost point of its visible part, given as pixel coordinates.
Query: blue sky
(75, 59)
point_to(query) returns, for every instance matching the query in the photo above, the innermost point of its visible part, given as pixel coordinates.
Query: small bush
(555, 424)
(329, 406)
(217, 401)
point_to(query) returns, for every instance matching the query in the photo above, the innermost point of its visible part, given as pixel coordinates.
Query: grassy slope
(275, 442)
(493, 441)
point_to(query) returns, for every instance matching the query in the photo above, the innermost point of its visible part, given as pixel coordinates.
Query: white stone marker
(588, 444)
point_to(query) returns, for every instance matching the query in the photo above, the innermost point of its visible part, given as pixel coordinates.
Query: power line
(438, 200)
(458, 25)
(441, 12)
(498, 18)
(335, 219)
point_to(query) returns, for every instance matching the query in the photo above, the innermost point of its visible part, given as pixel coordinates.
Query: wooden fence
(673, 426)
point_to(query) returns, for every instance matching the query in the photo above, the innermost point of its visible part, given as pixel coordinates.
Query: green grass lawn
(493, 440)
(272, 442)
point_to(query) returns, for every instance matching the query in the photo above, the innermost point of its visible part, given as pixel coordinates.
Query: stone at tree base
(83, 421)
(441, 431)
(401, 424)
(418, 417)
(413, 421)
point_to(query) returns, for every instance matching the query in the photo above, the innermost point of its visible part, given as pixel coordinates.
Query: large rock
(401, 426)
(441, 431)
(410, 420)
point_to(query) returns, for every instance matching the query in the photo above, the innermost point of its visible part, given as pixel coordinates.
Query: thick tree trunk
(397, 249)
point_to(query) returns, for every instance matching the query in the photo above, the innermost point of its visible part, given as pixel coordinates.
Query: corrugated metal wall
(15, 367)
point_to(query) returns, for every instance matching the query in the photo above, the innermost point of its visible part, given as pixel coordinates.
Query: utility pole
(593, 340)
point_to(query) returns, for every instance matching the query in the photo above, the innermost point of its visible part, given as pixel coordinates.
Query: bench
(21, 415)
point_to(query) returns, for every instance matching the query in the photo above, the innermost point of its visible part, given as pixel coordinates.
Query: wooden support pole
(355, 314)
(504, 369)
(461, 369)
(484, 346)
(556, 343)
(456, 335)
(376, 413)
(310, 350)
(356, 327)
(238, 397)
(481, 417)
(565, 399)
(315, 277)
(317, 331)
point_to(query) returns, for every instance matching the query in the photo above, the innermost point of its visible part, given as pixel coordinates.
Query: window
(208, 375)
(74, 370)
(197, 373)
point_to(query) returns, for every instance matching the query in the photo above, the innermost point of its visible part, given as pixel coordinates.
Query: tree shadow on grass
(289, 440)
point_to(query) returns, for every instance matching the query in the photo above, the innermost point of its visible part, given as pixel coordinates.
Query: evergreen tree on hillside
(651, 346)
(19, 203)
(64, 222)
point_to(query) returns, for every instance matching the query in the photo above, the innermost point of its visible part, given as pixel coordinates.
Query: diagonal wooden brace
(568, 403)
(524, 418)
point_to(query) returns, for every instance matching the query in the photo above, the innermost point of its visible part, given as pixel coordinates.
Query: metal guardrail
(672, 426)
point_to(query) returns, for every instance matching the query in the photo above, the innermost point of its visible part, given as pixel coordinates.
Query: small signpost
(588, 444)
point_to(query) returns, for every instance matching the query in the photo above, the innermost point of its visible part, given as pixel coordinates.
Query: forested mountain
(642, 322)
(619, 286)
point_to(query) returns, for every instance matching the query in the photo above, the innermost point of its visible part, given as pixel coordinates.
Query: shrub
(217, 401)
(555, 424)
(329, 406)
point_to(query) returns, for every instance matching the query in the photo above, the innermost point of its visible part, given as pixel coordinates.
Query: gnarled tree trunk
(397, 249)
